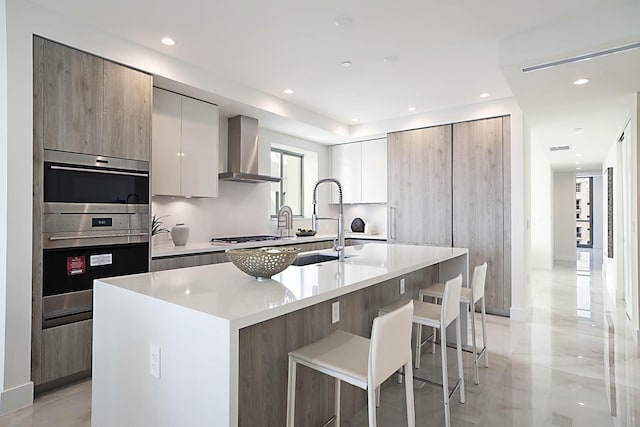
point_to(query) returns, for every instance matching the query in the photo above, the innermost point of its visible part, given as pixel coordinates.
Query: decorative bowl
(262, 263)
(305, 233)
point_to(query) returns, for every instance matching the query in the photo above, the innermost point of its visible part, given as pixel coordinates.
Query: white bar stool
(439, 317)
(362, 362)
(469, 296)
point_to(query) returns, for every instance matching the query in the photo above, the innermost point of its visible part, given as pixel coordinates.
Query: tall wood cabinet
(92, 105)
(419, 186)
(450, 186)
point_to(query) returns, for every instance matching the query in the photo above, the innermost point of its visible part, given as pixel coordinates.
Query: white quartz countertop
(223, 291)
(203, 247)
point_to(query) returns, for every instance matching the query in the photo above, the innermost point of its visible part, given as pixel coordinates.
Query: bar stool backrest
(479, 277)
(451, 300)
(390, 346)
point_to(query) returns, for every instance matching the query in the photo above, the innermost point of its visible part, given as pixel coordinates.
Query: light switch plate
(335, 312)
(154, 360)
(401, 286)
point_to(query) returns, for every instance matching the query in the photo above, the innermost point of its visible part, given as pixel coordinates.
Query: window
(288, 191)
(578, 187)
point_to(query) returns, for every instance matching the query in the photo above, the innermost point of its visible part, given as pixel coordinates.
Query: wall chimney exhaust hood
(242, 164)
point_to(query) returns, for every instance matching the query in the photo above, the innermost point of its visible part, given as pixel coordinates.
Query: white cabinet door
(166, 135)
(199, 148)
(346, 167)
(185, 146)
(374, 171)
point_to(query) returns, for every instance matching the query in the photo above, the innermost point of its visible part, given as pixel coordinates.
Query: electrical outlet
(335, 312)
(401, 286)
(154, 360)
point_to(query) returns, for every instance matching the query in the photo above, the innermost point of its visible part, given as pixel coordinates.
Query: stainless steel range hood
(242, 156)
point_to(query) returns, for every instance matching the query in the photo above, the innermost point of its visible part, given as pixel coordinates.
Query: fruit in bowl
(305, 232)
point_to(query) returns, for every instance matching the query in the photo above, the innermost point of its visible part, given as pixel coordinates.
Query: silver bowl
(262, 263)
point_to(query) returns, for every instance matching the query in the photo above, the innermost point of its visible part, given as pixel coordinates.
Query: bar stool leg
(337, 401)
(408, 389)
(291, 393)
(459, 351)
(418, 345)
(484, 336)
(445, 376)
(435, 333)
(473, 341)
(371, 404)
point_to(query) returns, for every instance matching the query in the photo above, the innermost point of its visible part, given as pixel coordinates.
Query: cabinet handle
(392, 223)
(97, 236)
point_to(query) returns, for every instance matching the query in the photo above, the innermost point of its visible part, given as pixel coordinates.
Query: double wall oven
(95, 225)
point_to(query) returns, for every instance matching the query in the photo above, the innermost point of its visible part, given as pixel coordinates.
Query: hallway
(572, 364)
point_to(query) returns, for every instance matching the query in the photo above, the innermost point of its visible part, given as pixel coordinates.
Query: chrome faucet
(285, 220)
(339, 245)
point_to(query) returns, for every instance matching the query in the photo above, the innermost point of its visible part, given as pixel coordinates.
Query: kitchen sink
(313, 259)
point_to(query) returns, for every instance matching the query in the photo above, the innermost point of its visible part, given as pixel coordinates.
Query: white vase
(180, 234)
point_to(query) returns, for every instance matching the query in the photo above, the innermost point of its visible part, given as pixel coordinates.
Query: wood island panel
(264, 348)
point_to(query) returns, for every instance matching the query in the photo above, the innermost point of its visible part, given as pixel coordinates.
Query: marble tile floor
(574, 363)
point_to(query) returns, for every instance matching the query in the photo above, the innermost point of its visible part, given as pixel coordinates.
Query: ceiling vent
(560, 148)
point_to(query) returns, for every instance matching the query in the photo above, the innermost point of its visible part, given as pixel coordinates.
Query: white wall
(3, 189)
(541, 207)
(564, 216)
(597, 210)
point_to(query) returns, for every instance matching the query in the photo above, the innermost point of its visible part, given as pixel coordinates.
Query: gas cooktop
(242, 239)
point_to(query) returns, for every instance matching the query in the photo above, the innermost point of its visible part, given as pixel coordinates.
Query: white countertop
(202, 247)
(223, 291)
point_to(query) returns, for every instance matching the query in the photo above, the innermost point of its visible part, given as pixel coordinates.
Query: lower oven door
(68, 275)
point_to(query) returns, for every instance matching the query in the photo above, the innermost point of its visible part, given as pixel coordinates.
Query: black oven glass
(63, 184)
(73, 269)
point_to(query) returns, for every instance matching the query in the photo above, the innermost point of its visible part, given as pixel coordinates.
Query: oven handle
(111, 172)
(97, 236)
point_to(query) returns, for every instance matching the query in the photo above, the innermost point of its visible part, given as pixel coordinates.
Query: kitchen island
(208, 345)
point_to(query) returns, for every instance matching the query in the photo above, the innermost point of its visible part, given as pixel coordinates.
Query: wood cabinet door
(127, 112)
(419, 186)
(199, 148)
(73, 99)
(66, 350)
(478, 204)
(374, 171)
(346, 167)
(166, 150)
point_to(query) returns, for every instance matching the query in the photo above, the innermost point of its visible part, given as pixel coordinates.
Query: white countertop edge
(205, 247)
(256, 318)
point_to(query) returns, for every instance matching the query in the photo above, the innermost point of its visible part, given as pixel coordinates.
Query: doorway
(584, 217)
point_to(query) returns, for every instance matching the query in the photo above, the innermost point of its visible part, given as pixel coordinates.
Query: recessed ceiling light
(168, 41)
(346, 64)
(484, 95)
(578, 169)
(354, 120)
(578, 131)
(288, 91)
(578, 155)
(391, 59)
(581, 82)
(580, 403)
(411, 108)
(344, 21)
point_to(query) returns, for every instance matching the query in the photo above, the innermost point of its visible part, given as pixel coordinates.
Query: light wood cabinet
(361, 168)
(126, 128)
(479, 212)
(420, 199)
(185, 146)
(450, 186)
(66, 350)
(72, 100)
(94, 106)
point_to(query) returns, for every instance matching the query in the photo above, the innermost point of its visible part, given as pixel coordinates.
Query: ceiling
(439, 54)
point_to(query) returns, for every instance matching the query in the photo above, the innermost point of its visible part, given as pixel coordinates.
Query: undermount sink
(303, 259)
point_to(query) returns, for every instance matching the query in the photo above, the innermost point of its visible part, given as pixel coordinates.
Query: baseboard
(519, 314)
(16, 398)
(565, 259)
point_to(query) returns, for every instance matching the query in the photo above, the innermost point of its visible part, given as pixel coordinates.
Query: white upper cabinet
(361, 168)
(185, 146)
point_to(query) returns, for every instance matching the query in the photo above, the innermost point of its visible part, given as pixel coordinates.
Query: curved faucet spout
(339, 246)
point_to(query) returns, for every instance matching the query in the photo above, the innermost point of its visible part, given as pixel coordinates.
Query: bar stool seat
(364, 363)
(439, 317)
(469, 296)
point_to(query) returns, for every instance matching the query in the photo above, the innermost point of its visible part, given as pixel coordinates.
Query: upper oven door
(82, 178)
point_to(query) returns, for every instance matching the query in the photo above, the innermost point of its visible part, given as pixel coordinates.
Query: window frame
(282, 153)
